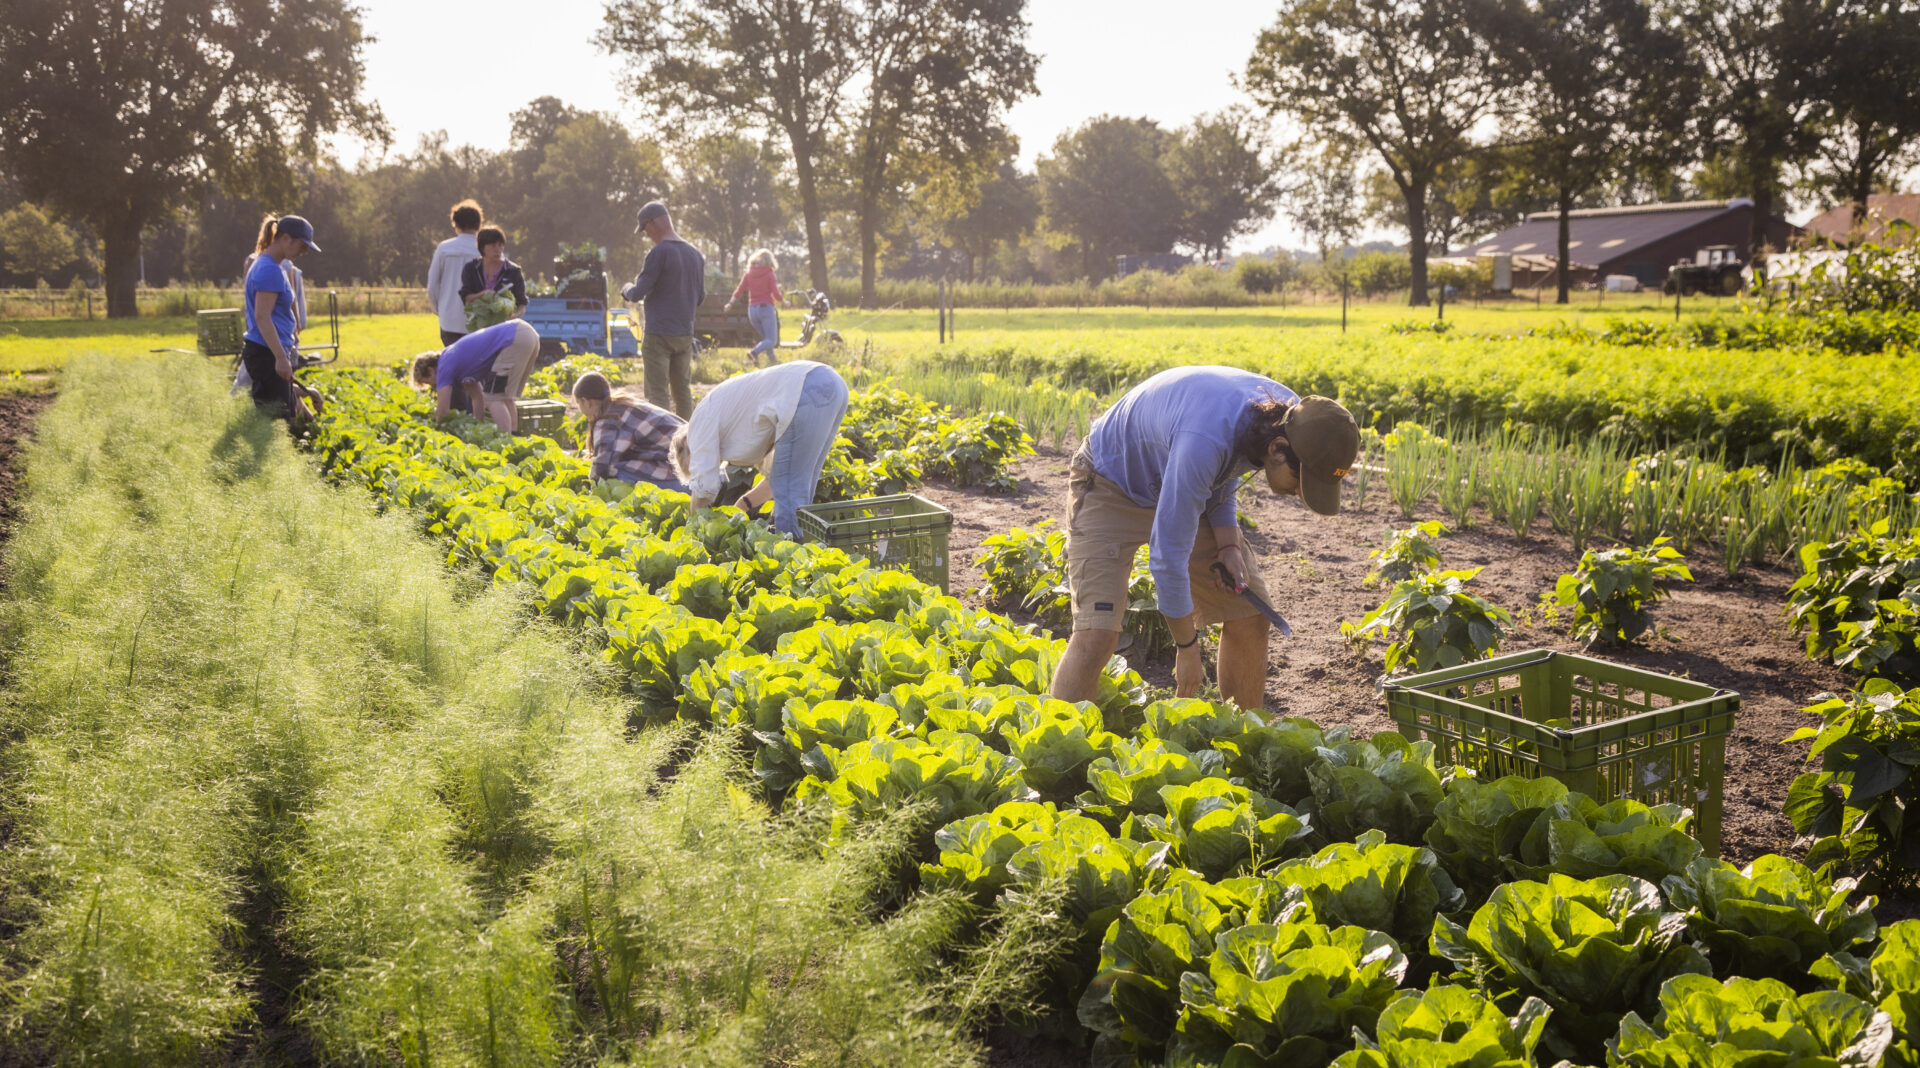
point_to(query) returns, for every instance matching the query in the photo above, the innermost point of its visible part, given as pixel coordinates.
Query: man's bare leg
(1077, 677)
(1243, 661)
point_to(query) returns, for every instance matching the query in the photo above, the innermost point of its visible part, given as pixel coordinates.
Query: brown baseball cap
(1324, 436)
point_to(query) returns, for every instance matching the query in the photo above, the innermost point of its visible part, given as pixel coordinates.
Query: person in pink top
(762, 287)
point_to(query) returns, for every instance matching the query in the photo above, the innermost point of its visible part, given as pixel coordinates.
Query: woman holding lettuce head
(493, 275)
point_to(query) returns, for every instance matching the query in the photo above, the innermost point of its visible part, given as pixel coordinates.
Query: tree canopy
(1408, 78)
(116, 113)
(1103, 187)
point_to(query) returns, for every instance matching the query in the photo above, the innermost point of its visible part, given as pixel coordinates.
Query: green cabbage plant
(1369, 883)
(1385, 783)
(1273, 759)
(1133, 1001)
(1594, 950)
(1449, 1027)
(1756, 1022)
(1890, 978)
(1219, 829)
(1288, 994)
(1770, 920)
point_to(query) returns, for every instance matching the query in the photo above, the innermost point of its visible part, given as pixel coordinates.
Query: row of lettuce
(1235, 890)
(890, 442)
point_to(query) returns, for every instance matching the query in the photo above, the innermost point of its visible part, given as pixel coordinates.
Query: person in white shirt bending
(451, 257)
(782, 420)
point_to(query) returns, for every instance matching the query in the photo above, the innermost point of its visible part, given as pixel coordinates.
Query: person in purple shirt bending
(1161, 469)
(491, 365)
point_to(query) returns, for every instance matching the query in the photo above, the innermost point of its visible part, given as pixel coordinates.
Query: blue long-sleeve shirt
(672, 283)
(1169, 445)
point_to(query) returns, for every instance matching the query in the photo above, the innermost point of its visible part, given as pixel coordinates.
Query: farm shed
(1164, 262)
(1642, 241)
(1883, 209)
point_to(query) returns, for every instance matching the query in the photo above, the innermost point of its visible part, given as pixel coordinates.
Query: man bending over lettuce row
(1161, 469)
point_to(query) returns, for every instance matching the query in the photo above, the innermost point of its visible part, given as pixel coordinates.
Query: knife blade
(1279, 622)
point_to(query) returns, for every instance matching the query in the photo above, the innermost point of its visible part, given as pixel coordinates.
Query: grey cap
(650, 211)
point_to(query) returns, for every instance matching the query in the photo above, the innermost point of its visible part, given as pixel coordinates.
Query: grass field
(37, 346)
(1758, 406)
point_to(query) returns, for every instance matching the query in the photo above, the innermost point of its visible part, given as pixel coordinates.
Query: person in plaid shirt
(628, 438)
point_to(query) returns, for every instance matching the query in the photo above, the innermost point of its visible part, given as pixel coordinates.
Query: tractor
(1715, 269)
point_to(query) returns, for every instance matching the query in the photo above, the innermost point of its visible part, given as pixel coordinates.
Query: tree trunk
(1416, 194)
(1757, 233)
(120, 241)
(869, 248)
(810, 209)
(1564, 260)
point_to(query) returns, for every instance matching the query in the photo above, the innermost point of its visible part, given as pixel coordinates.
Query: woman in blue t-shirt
(269, 352)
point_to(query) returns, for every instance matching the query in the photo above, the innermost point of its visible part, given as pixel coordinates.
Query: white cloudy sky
(1149, 58)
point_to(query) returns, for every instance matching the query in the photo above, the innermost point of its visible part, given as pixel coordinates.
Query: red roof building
(1835, 225)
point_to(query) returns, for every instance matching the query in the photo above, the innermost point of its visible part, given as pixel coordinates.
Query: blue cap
(295, 226)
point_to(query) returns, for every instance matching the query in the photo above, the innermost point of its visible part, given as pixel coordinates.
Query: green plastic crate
(223, 331)
(904, 530)
(542, 417)
(1603, 729)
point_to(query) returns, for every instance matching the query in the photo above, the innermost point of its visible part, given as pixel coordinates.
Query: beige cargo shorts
(1104, 531)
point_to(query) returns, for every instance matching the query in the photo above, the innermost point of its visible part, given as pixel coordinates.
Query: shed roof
(1836, 224)
(1600, 235)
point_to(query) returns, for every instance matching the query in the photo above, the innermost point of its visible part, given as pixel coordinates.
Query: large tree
(1228, 178)
(936, 79)
(1759, 107)
(1596, 89)
(115, 112)
(590, 184)
(782, 65)
(731, 190)
(1326, 203)
(1408, 78)
(1004, 207)
(1460, 203)
(34, 246)
(1103, 187)
(1871, 81)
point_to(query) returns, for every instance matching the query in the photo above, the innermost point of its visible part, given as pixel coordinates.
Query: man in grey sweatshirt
(672, 283)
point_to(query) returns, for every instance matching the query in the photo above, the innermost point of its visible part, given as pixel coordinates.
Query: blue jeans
(802, 451)
(766, 319)
(673, 484)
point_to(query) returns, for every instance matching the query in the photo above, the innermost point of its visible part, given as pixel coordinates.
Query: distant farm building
(1165, 262)
(1642, 242)
(1835, 225)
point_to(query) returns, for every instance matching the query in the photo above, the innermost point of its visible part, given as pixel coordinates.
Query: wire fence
(186, 300)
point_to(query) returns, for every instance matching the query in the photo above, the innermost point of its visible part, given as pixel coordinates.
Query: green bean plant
(1610, 590)
(1431, 621)
(1408, 552)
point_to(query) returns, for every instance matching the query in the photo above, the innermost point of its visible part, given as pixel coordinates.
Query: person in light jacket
(761, 284)
(782, 419)
(450, 258)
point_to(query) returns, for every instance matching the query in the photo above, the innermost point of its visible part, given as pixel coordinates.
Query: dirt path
(17, 414)
(1725, 631)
